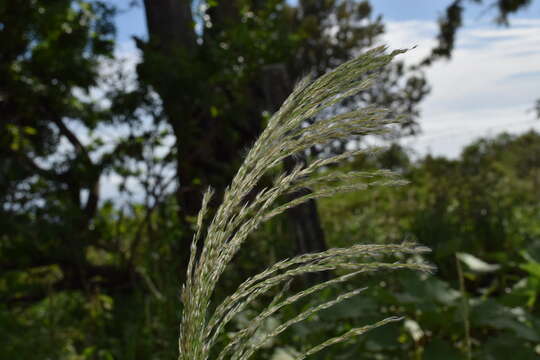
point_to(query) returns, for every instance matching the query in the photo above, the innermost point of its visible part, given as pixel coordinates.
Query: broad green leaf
(492, 314)
(532, 268)
(506, 347)
(477, 265)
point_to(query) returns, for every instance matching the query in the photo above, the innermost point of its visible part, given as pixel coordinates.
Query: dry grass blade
(239, 215)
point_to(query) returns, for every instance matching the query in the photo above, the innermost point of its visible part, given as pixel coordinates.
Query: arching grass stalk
(241, 212)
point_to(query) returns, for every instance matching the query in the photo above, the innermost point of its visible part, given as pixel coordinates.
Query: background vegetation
(83, 276)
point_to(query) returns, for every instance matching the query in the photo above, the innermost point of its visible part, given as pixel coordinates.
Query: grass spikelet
(240, 214)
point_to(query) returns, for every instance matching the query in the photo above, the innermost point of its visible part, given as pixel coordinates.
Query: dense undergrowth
(478, 213)
(483, 204)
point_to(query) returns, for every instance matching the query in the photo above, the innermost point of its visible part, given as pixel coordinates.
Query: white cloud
(449, 132)
(486, 88)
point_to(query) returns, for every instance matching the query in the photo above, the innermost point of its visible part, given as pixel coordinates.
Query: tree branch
(72, 138)
(93, 186)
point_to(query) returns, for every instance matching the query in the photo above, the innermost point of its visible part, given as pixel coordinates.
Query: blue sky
(488, 87)
(132, 22)
(400, 10)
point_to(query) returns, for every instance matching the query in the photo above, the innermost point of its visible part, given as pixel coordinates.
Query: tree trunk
(172, 40)
(176, 67)
(205, 153)
(170, 24)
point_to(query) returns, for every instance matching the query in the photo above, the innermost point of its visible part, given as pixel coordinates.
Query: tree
(49, 188)
(211, 80)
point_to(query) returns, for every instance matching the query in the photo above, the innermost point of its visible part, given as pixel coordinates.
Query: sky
(489, 86)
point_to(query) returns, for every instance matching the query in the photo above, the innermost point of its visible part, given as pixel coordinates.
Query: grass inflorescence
(241, 212)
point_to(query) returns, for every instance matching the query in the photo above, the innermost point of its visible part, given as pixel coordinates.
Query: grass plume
(240, 214)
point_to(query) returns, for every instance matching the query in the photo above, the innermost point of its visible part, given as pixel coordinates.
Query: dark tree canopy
(208, 85)
(49, 188)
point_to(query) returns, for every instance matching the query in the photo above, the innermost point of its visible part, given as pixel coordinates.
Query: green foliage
(482, 206)
(82, 277)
